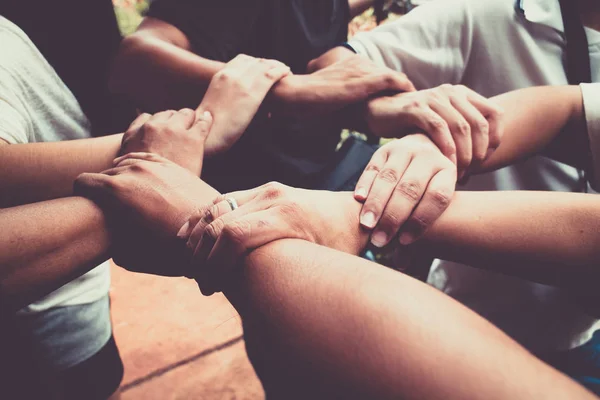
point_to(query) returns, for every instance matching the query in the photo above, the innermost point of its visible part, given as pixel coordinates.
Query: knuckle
(446, 87)
(462, 128)
(391, 220)
(415, 103)
(214, 229)
(388, 175)
(483, 126)
(373, 168)
(441, 198)
(212, 214)
(410, 190)
(438, 125)
(236, 232)
(273, 190)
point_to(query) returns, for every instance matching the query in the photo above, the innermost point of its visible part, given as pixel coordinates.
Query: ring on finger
(232, 203)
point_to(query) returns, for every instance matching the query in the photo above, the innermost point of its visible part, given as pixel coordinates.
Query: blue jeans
(581, 363)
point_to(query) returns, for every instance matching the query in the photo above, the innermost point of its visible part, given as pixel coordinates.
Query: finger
(393, 81)
(236, 238)
(162, 116)
(132, 158)
(213, 213)
(436, 128)
(139, 122)
(278, 73)
(97, 187)
(205, 235)
(184, 118)
(363, 186)
(461, 133)
(202, 125)
(436, 199)
(479, 127)
(383, 188)
(241, 64)
(494, 115)
(405, 197)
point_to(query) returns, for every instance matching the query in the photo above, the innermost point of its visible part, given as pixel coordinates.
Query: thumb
(96, 187)
(203, 124)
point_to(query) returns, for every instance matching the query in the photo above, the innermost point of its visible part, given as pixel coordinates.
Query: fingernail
(182, 234)
(361, 193)
(407, 238)
(368, 220)
(379, 239)
(207, 115)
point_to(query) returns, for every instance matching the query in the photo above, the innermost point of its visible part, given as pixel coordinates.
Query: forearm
(45, 245)
(534, 117)
(545, 237)
(41, 171)
(540, 236)
(158, 75)
(317, 320)
(331, 57)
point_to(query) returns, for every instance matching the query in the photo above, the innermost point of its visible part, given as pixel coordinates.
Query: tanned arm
(157, 69)
(322, 324)
(45, 245)
(35, 172)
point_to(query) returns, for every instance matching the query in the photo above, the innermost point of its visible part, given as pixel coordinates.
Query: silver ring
(232, 203)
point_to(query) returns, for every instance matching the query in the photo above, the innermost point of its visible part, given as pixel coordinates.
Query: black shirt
(294, 32)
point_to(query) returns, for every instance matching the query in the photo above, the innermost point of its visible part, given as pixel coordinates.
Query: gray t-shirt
(36, 106)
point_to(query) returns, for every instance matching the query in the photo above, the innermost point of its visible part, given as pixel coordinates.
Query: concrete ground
(177, 344)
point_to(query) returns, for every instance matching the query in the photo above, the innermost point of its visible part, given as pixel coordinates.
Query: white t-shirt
(36, 106)
(493, 47)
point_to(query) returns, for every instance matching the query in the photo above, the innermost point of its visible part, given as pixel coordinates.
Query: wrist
(355, 238)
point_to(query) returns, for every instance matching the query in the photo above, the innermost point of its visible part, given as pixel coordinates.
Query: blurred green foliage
(129, 14)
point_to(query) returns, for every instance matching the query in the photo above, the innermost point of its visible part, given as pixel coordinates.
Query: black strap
(578, 57)
(578, 71)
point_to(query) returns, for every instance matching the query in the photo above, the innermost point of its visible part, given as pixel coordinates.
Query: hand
(407, 184)
(348, 81)
(221, 237)
(463, 124)
(176, 135)
(147, 198)
(234, 96)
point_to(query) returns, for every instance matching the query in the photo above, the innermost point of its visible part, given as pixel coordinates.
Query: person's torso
(52, 114)
(283, 148)
(530, 52)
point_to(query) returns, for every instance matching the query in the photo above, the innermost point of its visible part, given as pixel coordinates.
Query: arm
(545, 237)
(40, 171)
(534, 117)
(157, 69)
(322, 324)
(45, 245)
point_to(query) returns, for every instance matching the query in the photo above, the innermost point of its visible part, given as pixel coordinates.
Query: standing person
(491, 46)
